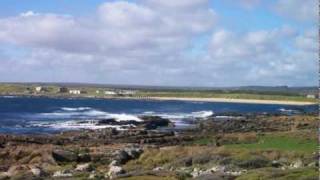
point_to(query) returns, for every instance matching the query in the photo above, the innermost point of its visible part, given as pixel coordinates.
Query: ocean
(37, 115)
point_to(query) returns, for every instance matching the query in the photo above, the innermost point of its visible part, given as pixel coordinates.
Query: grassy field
(283, 142)
(27, 89)
(230, 95)
(272, 173)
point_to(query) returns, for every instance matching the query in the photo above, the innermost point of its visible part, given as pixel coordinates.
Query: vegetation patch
(281, 141)
(272, 173)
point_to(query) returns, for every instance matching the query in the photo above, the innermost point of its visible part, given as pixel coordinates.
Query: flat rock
(64, 155)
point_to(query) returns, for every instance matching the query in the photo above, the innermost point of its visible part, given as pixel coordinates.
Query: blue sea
(25, 115)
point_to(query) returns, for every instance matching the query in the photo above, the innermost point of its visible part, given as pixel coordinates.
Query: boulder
(114, 171)
(158, 168)
(92, 175)
(218, 168)
(253, 163)
(112, 121)
(122, 157)
(64, 155)
(37, 172)
(16, 170)
(84, 167)
(297, 164)
(63, 173)
(134, 153)
(4, 176)
(127, 154)
(153, 122)
(84, 157)
(276, 164)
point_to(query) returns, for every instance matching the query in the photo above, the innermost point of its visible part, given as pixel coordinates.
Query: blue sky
(149, 42)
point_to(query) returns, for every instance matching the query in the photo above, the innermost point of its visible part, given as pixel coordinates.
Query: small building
(41, 89)
(110, 93)
(74, 91)
(63, 90)
(311, 96)
(127, 92)
(38, 89)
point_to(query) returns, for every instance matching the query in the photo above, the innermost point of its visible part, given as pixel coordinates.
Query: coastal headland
(224, 146)
(257, 95)
(242, 146)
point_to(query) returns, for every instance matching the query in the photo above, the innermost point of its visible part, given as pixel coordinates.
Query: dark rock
(127, 154)
(122, 157)
(134, 153)
(276, 164)
(153, 122)
(115, 122)
(184, 162)
(85, 157)
(256, 162)
(64, 155)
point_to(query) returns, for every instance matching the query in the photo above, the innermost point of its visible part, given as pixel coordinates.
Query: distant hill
(261, 89)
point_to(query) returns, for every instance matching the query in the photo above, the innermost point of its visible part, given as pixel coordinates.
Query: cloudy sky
(160, 42)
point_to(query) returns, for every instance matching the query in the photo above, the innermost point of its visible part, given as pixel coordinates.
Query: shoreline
(225, 100)
(222, 100)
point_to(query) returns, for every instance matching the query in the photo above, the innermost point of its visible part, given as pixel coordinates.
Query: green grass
(148, 178)
(91, 91)
(276, 174)
(229, 95)
(202, 141)
(282, 142)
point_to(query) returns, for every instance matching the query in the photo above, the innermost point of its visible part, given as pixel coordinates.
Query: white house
(110, 93)
(311, 96)
(39, 89)
(74, 91)
(127, 92)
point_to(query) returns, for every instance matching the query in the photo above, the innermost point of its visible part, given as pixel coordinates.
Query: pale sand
(249, 101)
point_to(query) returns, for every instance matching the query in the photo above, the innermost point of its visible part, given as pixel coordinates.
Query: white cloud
(122, 40)
(302, 10)
(308, 41)
(266, 57)
(249, 4)
(119, 26)
(28, 13)
(226, 45)
(244, 4)
(146, 43)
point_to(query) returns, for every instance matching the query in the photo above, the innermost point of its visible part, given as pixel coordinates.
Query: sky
(166, 43)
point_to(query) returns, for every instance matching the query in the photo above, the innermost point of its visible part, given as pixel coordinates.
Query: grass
(202, 141)
(91, 91)
(230, 95)
(152, 158)
(271, 173)
(281, 141)
(148, 178)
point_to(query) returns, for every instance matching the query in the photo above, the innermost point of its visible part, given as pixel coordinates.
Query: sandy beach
(249, 101)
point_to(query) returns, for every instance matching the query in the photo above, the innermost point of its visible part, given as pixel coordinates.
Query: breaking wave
(192, 115)
(87, 113)
(76, 109)
(88, 118)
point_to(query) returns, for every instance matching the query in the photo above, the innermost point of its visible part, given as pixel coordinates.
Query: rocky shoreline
(214, 149)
